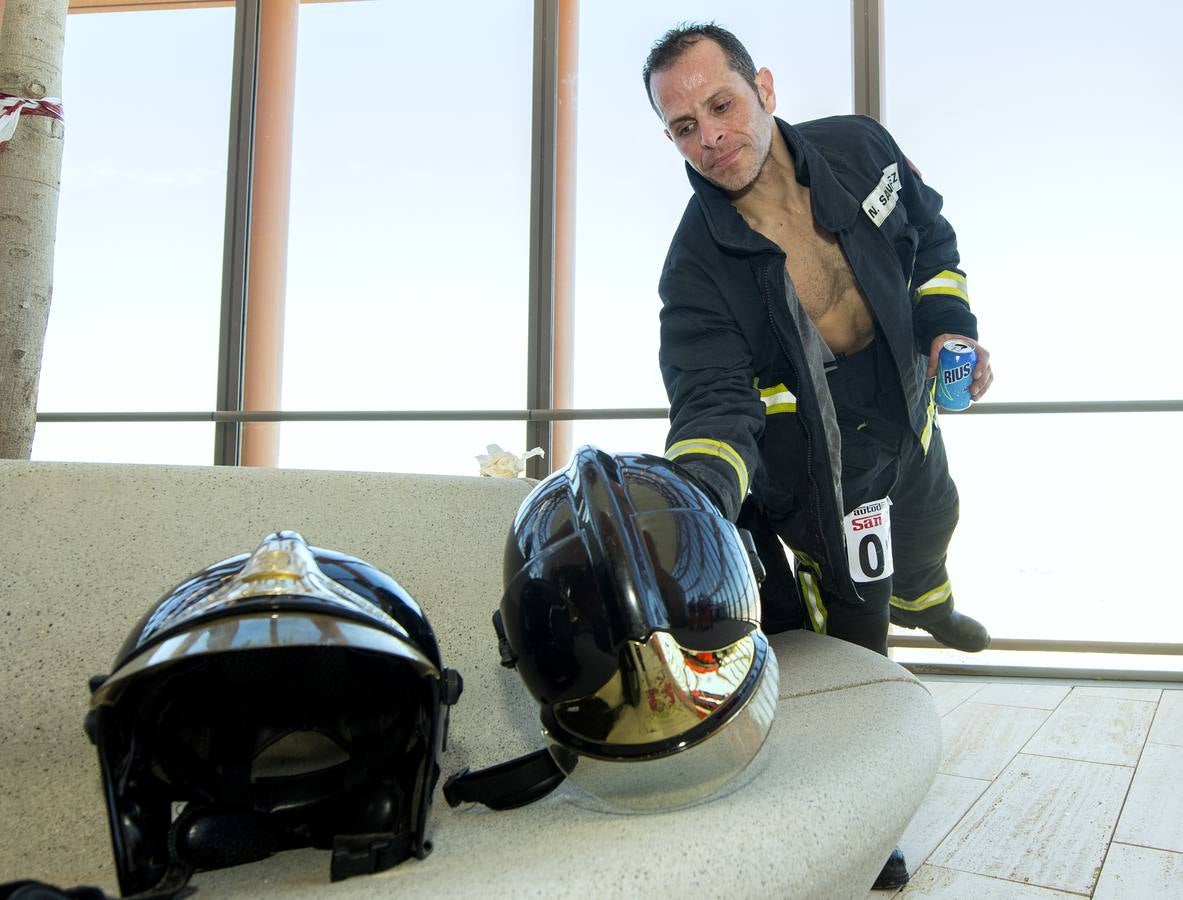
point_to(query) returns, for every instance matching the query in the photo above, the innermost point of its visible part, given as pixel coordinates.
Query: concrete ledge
(827, 806)
(87, 548)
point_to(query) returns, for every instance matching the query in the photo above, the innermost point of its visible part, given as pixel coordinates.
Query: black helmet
(287, 698)
(632, 613)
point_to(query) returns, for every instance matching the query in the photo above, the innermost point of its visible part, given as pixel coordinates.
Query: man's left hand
(983, 375)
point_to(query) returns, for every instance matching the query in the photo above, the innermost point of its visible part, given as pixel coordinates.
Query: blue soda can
(955, 367)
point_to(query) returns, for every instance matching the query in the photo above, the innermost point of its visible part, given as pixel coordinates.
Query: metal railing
(555, 415)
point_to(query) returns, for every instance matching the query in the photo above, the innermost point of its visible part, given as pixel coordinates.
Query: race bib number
(868, 541)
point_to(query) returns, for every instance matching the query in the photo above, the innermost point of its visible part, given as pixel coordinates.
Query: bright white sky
(1052, 130)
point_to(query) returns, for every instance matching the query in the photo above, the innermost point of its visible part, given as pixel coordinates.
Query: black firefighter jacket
(745, 408)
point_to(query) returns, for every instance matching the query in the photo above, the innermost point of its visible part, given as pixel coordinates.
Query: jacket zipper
(766, 291)
(899, 375)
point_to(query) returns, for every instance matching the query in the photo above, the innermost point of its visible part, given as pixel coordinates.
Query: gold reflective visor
(673, 726)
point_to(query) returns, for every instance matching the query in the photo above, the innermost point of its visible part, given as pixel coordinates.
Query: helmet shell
(632, 614)
(388, 606)
(293, 696)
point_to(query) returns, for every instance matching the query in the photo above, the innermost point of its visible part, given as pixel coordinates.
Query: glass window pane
(438, 448)
(1053, 132)
(408, 255)
(1063, 536)
(133, 325)
(632, 184)
(1050, 546)
(158, 443)
(622, 435)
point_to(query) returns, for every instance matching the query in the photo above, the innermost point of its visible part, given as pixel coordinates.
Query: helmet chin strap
(510, 784)
(506, 785)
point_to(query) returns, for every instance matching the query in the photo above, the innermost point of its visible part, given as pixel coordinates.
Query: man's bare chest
(816, 264)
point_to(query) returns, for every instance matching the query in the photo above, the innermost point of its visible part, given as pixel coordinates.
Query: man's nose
(709, 135)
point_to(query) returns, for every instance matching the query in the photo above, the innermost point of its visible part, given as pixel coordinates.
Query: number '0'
(869, 542)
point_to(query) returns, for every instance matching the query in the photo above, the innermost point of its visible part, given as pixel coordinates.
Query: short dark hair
(675, 42)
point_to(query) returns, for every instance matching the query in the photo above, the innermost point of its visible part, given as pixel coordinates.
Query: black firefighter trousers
(880, 459)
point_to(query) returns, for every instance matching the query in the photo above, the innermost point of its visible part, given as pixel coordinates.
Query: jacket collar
(834, 208)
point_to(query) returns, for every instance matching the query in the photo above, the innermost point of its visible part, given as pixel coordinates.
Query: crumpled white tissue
(498, 463)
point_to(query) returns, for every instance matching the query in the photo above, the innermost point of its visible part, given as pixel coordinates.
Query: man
(805, 298)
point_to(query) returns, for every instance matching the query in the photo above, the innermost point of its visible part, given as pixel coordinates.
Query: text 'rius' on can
(955, 367)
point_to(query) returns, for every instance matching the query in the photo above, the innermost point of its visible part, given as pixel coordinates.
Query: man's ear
(765, 90)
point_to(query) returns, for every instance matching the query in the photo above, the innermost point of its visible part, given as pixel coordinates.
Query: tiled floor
(1051, 790)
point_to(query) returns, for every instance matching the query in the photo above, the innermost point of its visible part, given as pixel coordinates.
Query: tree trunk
(31, 44)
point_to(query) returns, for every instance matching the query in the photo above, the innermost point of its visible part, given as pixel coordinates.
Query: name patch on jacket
(881, 201)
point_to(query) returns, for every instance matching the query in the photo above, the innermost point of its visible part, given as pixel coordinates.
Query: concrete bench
(85, 549)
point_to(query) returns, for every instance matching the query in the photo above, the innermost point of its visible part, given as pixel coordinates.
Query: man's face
(718, 123)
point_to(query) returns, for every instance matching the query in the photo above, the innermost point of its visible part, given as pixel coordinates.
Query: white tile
(1168, 721)
(951, 694)
(1044, 821)
(1119, 693)
(1035, 696)
(1153, 813)
(935, 883)
(949, 798)
(980, 738)
(1094, 729)
(1137, 873)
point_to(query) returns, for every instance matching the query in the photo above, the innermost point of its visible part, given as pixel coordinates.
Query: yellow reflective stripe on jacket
(813, 600)
(930, 417)
(778, 399)
(804, 559)
(708, 447)
(946, 282)
(808, 578)
(928, 599)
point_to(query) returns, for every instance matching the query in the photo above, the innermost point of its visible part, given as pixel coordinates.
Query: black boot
(894, 874)
(959, 632)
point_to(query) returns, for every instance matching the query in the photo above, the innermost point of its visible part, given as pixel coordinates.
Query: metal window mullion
(540, 328)
(866, 28)
(240, 153)
(1024, 645)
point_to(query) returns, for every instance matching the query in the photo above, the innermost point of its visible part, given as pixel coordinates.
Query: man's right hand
(983, 375)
